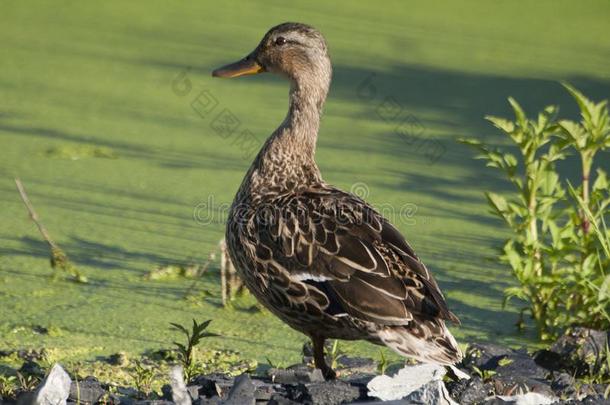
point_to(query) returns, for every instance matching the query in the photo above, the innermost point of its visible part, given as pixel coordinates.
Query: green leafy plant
(143, 377)
(559, 263)
(7, 386)
(27, 382)
(193, 338)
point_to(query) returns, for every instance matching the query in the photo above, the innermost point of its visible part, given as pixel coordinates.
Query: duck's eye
(280, 41)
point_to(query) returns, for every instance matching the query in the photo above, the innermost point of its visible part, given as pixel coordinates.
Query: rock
(479, 355)
(212, 385)
(208, 401)
(31, 367)
(54, 389)
(326, 393)
(433, 392)
(518, 372)
(581, 350)
(263, 390)
(279, 399)
(166, 391)
(406, 381)
(179, 393)
(87, 391)
(509, 371)
(548, 360)
(193, 391)
(563, 384)
(472, 391)
(242, 392)
(356, 365)
(297, 374)
(594, 400)
(531, 398)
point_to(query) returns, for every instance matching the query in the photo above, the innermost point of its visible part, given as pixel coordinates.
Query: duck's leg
(319, 360)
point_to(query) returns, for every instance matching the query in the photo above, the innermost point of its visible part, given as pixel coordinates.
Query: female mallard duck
(321, 259)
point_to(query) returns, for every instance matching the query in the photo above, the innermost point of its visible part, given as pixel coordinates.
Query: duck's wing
(348, 257)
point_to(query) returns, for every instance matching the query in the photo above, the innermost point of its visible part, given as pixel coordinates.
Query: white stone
(408, 380)
(179, 393)
(54, 389)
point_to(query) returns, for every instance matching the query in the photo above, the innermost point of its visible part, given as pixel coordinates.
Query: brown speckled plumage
(321, 259)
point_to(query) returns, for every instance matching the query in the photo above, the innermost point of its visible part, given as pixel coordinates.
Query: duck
(321, 259)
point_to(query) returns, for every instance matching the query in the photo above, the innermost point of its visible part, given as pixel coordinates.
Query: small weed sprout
(27, 382)
(335, 354)
(504, 361)
(7, 386)
(143, 379)
(193, 338)
(383, 363)
(485, 375)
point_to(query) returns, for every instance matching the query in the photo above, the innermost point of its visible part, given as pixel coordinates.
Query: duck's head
(295, 50)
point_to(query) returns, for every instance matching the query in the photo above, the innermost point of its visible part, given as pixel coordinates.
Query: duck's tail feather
(428, 341)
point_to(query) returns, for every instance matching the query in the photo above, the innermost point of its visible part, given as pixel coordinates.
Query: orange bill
(246, 66)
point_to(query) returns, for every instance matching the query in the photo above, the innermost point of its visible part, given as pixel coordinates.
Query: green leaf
(585, 105)
(604, 290)
(179, 327)
(601, 181)
(498, 202)
(519, 114)
(501, 123)
(575, 132)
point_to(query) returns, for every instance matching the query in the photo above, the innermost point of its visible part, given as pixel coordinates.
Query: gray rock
(472, 391)
(518, 372)
(581, 350)
(242, 392)
(208, 401)
(433, 392)
(480, 355)
(87, 391)
(54, 389)
(193, 391)
(563, 384)
(179, 393)
(359, 365)
(326, 393)
(298, 374)
(212, 385)
(530, 398)
(279, 399)
(263, 390)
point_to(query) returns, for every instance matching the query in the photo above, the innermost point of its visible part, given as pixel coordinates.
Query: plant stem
(34, 216)
(587, 161)
(533, 223)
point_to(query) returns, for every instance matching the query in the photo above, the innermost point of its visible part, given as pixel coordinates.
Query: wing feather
(333, 244)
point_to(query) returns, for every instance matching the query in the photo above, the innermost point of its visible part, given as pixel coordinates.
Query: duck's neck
(292, 146)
